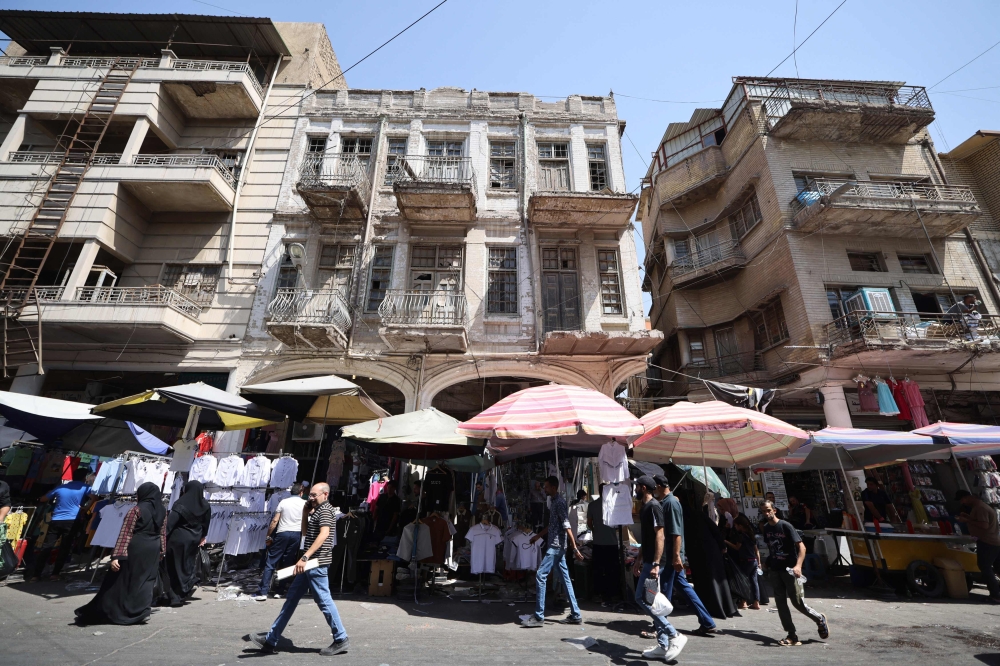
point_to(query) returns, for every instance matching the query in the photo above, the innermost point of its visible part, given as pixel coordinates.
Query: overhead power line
(807, 38)
(995, 44)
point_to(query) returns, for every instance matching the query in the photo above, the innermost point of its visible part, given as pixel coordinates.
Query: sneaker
(532, 621)
(823, 627)
(572, 619)
(277, 595)
(259, 597)
(655, 652)
(336, 647)
(677, 644)
(260, 641)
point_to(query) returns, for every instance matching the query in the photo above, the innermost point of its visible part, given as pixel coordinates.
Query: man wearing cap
(669, 641)
(673, 574)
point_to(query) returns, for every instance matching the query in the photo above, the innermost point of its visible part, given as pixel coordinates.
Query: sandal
(789, 641)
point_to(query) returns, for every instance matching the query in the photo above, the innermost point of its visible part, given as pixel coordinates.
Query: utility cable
(995, 44)
(807, 38)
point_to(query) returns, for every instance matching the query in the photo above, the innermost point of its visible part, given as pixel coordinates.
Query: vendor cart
(908, 558)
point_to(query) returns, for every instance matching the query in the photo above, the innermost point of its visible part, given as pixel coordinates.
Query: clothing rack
(241, 514)
(24, 534)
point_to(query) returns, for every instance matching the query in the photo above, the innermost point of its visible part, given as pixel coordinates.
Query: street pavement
(36, 627)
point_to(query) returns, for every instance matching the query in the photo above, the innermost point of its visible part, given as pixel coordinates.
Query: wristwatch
(304, 558)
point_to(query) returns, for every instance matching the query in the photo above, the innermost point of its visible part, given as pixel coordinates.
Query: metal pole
(319, 446)
(961, 474)
(864, 535)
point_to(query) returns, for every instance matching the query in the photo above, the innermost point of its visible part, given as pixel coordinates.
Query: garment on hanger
(866, 396)
(899, 395)
(437, 487)
(184, 450)
(425, 547)
(484, 540)
(256, 473)
(886, 405)
(112, 518)
(252, 500)
(107, 479)
(284, 471)
(15, 522)
(613, 462)
(203, 469)
(916, 403)
(441, 531)
(205, 442)
(218, 527)
(175, 492)
(335, 465)
(229, 471)
(616, 504)
(524, 555)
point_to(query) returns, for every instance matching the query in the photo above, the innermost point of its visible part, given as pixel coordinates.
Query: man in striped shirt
(318, 524)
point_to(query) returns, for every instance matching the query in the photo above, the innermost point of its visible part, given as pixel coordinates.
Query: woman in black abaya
(704, 544)
(187, 527)
(126, 595)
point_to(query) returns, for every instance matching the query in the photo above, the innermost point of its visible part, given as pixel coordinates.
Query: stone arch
(625, 369)
(441, 377)
(397, 375)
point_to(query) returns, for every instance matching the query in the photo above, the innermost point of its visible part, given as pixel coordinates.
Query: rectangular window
(553, 167)
(358, 145)
(380, 277)
(502, 164)
(435, 267)
(395, 152)
(336, 263)
(501, 292)
(317, 144)
(598, 164)
(681, 249)
(865, 261)
(196, 281)
(696, 345)
(560, 289)
(611, 284)
(444, 148)
(746, 217)
(769, 326)
(916, 263)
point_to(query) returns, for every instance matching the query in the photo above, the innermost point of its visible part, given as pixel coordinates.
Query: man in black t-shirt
(669, 641)
(388, 508)
(784, 566)
(876, 501)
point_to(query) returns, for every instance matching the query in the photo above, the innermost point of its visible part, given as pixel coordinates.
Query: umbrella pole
(319, 447)
(879, 583)
(558, 475)
(961, 474)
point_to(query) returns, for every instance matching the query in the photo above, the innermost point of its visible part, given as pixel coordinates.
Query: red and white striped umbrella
(580, 418)
(714, 433)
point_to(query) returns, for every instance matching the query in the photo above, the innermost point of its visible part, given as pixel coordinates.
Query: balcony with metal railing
(886, 208)
(694, 178)
(174, 182)
(335, 186)
(707, 265)
(144, 315)
(424, 321)
(915, 340)
(309, 318)
(748, 365)
(841, 111)
(432, 188)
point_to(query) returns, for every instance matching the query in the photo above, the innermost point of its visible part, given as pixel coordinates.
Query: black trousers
(605, 571)
(57, 528)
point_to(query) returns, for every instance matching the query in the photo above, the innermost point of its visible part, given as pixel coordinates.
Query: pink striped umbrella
(533, 419)
(714, 432)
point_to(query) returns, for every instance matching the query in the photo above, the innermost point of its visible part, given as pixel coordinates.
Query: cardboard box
(380, 582)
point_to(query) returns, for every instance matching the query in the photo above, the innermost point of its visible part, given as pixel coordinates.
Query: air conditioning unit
(307, 432)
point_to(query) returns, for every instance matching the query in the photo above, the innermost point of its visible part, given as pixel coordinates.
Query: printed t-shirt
(781, 543)
(437, 488)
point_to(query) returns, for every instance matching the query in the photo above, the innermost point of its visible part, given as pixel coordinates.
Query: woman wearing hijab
(126, 595)
(704, 544)
(187, 527)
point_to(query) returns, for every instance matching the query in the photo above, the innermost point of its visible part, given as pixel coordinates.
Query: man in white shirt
(283, 546)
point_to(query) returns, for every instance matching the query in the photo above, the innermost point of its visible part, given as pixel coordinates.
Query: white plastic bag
(656, 600)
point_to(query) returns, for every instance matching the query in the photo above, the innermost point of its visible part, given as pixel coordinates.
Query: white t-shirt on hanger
(184, 450)
(229, 471)
(613, 462)
(484, 539)
(616, 504)
(203, 469)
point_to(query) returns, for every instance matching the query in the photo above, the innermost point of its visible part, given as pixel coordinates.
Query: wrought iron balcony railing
(22, 61)
(310, 306)
(337, 169)
(99, 63)
(432, 169)
(705, 257)
(423, 308)
(878, 194)
(187, 161)
(31, 157)
(220, 66)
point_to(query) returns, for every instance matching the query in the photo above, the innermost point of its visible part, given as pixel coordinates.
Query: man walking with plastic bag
(669, 642)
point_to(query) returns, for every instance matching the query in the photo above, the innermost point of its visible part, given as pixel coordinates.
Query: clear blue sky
(681, 51)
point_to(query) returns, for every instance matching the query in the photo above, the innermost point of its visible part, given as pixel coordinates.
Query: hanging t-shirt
(175, 493)
(425, 547)
(256, 473)
(135, 473)
(203, 469)
(252, 500)
(616, 504)
(440, 531)
(437, 488)
(184, 450)
(106, 481)
(112, 518)
(613, 462)
(524, 555)
(484, 539)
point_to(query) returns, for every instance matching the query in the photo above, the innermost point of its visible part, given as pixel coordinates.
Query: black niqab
(192, 504)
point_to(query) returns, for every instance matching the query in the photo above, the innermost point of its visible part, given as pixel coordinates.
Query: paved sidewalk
(36, 626)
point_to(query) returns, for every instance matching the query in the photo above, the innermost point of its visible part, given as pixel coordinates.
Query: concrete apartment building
(808, 232)
(141, 161)
(448, 247)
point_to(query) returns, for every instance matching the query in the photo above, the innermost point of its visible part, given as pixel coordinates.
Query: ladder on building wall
(79, 144)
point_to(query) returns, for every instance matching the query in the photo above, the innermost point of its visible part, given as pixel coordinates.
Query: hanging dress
(886, 404)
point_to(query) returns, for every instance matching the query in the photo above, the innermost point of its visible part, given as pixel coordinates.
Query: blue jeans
(664, 630)
(316, 579)
(280, 554)
(554, 555)
(670, 577)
